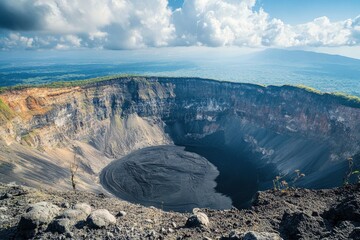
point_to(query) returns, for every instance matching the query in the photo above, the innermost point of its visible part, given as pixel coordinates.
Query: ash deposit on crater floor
(166, 177)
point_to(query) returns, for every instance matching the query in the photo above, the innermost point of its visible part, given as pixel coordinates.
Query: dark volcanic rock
(347, 210)
(144, 223)
(299, 225)
(61, 225)
(355, 234)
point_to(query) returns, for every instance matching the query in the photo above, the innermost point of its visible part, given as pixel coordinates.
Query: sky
(300, 11)
(332, 25)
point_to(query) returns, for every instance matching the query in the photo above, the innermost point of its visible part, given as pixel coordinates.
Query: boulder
(37, 215)
(100, 218)
(347, 210)
(65, 205)
(299, 225)
(74, 215)
(86, 208)
(61, 225)
(199, 219)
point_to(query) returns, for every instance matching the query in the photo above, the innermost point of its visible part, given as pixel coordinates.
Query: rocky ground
(292, 214)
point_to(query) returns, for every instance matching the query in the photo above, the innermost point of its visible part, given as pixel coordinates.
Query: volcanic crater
(176, 143)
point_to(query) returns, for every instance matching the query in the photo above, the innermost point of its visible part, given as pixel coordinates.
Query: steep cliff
(281, 128)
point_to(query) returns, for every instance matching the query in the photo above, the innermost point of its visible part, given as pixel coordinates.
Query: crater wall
(286, 127)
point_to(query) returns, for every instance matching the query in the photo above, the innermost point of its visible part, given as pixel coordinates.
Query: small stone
(101, 218)
(62, 237)
(109, 235)
(173, 224)
(152, 233)
(234, 235)
(149, 221)
(6, 196)
(199, 219)
(65, 205)
(315, 214)
(121, 214)
(101, 195)
(4, 218)
(69, 235)
(170, 230)
(3, 209)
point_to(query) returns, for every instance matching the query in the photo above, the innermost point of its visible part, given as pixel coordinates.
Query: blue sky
(300, 11)
(175, 3)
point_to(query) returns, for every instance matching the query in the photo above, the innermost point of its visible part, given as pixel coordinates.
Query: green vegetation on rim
(346, 99)
(309, 89)
(5, 112)
(63, 84)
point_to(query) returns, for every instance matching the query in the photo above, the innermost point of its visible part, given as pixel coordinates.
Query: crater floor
(167, 177)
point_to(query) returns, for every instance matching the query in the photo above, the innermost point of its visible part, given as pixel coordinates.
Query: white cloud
(99, 23)
(219, 23)
(323, 32)
(128, 24)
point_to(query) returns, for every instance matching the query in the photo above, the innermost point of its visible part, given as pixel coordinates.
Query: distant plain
(327, 73)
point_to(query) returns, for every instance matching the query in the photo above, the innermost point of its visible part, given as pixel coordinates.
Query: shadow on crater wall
(249, 158)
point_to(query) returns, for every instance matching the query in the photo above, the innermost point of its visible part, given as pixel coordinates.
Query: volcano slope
(268, 131)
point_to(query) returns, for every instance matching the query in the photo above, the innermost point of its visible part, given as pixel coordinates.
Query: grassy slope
(5, 112)
(74, 83)
(345, 99)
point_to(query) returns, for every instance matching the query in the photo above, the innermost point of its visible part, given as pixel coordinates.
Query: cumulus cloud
(117, 24)
(219, 23)
(128, 24)
(231, 22)
(21, 15)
